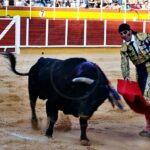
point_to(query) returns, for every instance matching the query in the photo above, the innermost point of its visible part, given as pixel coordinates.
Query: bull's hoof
(48, 134)
(85, 142)
(34, 124)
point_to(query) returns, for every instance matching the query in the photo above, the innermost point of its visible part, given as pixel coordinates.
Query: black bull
(75, 86)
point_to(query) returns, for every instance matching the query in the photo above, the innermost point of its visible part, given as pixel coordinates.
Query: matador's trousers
(143, 79)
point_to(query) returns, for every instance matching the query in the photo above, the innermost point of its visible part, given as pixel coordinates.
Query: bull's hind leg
(34, 120)
(83, 138)
(52, 114)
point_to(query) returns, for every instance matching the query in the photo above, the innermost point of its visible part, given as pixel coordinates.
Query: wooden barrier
(9, 38)
(37, 32)
(56, 34)
(68, 33)
(75, 32)
(95, 32)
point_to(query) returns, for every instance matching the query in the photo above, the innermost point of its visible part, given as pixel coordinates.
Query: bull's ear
(83, 80)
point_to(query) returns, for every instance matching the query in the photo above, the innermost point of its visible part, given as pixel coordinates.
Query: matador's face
(126, 35)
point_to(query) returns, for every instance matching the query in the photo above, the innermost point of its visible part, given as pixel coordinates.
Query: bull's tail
(12, 59)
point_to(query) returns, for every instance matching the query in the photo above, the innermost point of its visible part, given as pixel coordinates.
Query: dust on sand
(109, 128)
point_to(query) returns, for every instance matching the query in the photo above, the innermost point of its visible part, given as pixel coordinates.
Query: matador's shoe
(145, 133)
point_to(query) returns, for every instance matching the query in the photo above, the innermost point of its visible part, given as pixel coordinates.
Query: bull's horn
(83, 79)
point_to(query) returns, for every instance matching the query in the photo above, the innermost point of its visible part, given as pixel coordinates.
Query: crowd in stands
(111, 4)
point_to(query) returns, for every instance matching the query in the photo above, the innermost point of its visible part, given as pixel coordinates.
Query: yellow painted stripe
(75, 15)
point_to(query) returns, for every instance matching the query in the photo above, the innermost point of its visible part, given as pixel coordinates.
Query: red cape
(132, 94)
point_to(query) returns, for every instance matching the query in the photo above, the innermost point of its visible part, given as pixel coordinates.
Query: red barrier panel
(37, 31)
(148, 27)
(95, 32)
(23, 31)
(75, 32)
(7, 50)
(113, 37)
(56, 34)
(136, 26)
(1, 49)
(9, 38)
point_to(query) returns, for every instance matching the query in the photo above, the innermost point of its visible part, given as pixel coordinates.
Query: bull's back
(39, 77)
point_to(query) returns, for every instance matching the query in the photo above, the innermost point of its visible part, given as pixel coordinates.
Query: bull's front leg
(52, 114)
(83, 137)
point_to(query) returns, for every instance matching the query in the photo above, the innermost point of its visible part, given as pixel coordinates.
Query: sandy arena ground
(109, 128)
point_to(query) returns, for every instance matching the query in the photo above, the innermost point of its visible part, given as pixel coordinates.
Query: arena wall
(68, 33)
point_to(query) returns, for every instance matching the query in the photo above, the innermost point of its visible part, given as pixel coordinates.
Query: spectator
(26, 2)
(68, 4)
(145, 5)
(119, 2)
(44, 2)
(135, 6)
(1, 3)
(91, 3)
(11, 2)
(19, 3)
(97, 3)
(58, 3)
(85, 4)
